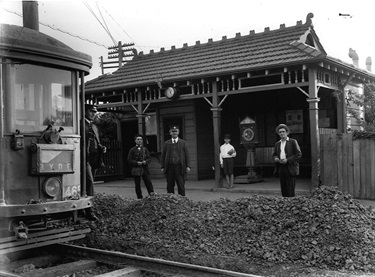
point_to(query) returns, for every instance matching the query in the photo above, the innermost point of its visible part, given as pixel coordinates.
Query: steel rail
(147, 263)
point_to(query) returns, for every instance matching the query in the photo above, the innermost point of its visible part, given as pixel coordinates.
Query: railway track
(75, 261)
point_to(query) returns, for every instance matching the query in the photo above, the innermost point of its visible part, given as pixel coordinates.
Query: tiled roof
(271, 48)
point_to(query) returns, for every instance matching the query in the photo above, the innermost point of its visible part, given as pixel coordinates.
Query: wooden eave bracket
(305, 93)
(221, 102)
(144, 110)
(348, 80)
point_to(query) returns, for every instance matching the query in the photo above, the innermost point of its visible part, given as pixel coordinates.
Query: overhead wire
(62, 31)
(120, 27)
(93, 13)
(108, 31)
(15, 41)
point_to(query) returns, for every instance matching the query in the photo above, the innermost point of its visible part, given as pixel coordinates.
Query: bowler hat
(91, 107)
(282, 126)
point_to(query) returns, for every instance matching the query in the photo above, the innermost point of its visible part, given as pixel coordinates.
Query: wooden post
(216, 120)
(314, 128)
(120, 54)
(2, 144)
(83, 136)
(101, 64)
(140, 115)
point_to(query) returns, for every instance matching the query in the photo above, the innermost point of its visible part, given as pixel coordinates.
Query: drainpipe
(368, 64)
(30, 15)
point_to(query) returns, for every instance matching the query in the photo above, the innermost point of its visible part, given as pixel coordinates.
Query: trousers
(175, 176)
(287, 181)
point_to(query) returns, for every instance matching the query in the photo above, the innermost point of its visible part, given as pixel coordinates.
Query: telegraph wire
(10, 48)
(62, 31)
(121, 27)
(93, 13)
(108, 31)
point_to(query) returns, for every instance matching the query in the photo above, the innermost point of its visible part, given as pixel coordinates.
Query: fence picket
(348, 164)
(340, 164)
(371, 190)
(350, 168)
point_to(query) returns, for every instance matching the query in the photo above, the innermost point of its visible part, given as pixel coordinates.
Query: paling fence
(348, 164)
(112, 161)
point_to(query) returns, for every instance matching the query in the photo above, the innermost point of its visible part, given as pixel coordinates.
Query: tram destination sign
(52, 159)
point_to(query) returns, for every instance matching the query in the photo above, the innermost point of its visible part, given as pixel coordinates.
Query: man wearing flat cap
(175, 161)
(286, 155)
(93, 153)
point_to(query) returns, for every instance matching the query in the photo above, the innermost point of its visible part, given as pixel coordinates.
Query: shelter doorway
(129, 128)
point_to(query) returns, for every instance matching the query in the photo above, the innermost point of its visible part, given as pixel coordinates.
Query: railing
(112, 161)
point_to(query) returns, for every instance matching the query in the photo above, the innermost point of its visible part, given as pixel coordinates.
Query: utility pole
(120, 52)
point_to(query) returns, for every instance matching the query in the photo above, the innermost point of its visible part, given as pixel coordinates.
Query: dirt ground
(127, 189)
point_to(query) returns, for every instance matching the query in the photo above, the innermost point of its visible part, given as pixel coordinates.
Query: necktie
(174, 141)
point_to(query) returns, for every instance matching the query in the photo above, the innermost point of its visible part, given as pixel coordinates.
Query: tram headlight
(52, 186)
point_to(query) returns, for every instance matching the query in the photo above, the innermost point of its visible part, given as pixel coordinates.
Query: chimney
(354, 56)
(30, 15)
(368, 64)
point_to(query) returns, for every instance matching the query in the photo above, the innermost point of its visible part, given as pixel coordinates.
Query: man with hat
(286, 155)
(94, 150)
(175, 161)
(227, 153)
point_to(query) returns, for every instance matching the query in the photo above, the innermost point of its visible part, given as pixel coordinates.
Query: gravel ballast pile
(327, 229)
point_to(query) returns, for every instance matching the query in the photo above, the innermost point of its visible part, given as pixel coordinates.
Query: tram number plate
(72, 190)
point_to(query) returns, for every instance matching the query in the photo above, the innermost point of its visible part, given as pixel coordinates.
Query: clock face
(248, 134)
(170, 93)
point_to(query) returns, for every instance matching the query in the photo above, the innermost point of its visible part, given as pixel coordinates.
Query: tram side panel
(42, 172)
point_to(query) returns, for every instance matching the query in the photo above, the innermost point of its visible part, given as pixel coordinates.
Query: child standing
(227, 153)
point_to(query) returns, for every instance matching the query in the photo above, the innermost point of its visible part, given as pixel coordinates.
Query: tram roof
(22, 43)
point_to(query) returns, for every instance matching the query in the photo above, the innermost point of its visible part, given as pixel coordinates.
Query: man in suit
(286, 155)
(175, 161)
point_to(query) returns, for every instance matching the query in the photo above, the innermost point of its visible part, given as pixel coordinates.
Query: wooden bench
(264, 160)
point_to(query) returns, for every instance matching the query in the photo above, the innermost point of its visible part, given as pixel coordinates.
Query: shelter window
(37, 96)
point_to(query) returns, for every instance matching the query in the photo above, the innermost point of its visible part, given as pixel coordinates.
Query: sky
(92, 26)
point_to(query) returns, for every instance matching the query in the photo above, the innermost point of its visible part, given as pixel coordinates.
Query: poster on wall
(294, 120)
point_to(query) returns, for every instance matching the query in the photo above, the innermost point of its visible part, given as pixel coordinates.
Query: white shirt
(224, 149)
(282, 149)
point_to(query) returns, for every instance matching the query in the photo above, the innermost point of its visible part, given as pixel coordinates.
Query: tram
(42, 184)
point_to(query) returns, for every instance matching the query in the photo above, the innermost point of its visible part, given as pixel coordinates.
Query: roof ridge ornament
(309, 18)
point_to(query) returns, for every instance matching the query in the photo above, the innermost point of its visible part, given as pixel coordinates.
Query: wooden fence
(112, 160)
(348, 164)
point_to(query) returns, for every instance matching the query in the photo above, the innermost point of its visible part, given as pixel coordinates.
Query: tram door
(128, 129)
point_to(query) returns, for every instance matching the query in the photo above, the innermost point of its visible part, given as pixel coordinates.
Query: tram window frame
(36, 96)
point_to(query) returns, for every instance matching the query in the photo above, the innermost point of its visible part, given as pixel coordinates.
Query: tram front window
(37, 96)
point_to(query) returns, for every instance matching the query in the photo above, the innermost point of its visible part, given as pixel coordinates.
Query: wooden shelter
(276, 76)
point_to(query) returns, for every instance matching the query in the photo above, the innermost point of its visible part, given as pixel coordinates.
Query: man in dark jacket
(139, 158)
(93, 153)
(175, 161)
(286, 155)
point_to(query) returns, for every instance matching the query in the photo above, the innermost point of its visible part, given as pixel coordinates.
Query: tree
(369, 105)
(367, 101)
(107, 124)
